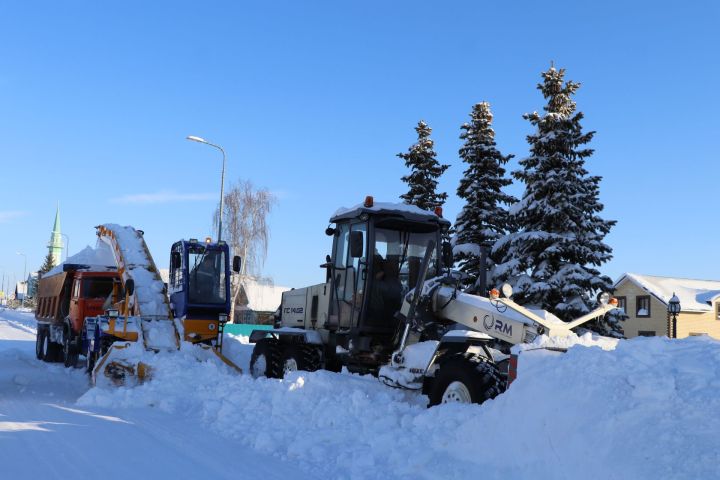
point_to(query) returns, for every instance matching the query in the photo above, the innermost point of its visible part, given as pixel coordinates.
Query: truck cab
(199, 287)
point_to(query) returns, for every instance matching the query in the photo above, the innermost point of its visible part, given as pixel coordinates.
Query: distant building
(32, 283)
(645, 301)
(258, 300)
(20, 291)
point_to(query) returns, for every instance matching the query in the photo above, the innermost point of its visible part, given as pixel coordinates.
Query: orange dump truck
(65, 299)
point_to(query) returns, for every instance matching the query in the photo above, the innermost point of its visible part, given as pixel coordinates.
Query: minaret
(55, 246)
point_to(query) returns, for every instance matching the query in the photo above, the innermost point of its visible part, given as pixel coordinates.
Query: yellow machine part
(119, 371)
(200, 330)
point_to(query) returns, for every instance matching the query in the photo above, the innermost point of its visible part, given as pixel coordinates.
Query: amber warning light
(438, 211)
(369, 201)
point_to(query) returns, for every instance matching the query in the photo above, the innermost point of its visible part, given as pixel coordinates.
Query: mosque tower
(55, 246)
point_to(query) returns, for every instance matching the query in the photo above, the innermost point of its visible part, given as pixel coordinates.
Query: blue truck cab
(199, 288)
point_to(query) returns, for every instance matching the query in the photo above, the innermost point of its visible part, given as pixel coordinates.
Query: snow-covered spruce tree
(47, 265)
(484, 218)
(424, 171)
(551, 259)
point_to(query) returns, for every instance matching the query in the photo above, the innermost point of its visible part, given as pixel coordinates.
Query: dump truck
(391, 306)
(65, 299)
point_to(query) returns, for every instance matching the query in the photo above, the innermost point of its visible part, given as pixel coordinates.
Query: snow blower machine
(391, 306)
(140, 319)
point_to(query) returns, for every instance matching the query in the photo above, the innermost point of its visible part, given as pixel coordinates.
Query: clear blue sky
(314, 99)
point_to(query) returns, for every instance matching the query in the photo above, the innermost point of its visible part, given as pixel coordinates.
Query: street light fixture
(222, 180)
(674, 310)
(22, 304)
(67, 245)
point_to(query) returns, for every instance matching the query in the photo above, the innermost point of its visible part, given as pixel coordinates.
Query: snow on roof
(694, 295)
(263, 296)
(99, 258)
(387, 207)
(378, 206)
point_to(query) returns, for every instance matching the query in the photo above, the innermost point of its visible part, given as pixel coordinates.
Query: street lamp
(222, 180)
(674, 310)
(22, 304)
(67, 245)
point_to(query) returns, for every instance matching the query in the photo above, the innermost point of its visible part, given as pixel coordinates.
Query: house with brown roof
(645, 301)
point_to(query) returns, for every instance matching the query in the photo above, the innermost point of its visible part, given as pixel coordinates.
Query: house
(258, 300)
(645, 300)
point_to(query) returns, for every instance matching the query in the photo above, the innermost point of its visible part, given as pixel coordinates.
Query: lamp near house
(674, 310)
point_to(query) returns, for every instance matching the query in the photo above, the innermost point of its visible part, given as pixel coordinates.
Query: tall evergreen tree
(47, 265)
(424, 171)
(484, 218)
(552, 258)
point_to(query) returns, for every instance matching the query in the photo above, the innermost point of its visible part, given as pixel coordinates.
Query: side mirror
(237, 263)
(130, 287)
(175, 260)
(356, 244)
(447, 255)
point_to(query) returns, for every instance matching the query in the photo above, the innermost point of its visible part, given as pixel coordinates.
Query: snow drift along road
(648, 409)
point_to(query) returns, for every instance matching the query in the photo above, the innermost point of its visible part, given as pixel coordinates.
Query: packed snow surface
(645, 408)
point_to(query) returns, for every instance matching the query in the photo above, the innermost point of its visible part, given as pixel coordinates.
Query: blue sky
(314, 99)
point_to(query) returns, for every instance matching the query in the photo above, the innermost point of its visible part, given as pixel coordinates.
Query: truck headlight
(223, 318)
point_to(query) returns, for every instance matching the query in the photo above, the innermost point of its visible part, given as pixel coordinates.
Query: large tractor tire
(301, 357)
(465, 378)
(266, 359)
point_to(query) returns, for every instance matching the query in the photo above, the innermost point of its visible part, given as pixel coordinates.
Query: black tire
(305, 357)
(480, 378)
(268, 351)
(69, 349)
(40, 342)
(53, 351)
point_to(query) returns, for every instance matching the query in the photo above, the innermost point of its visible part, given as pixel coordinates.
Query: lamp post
(222, 180)
(22, 304)
(67, 245)
(674, 310)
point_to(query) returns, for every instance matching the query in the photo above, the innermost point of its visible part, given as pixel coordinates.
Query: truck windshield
(206, 283)
(97, 287)
(399, 254)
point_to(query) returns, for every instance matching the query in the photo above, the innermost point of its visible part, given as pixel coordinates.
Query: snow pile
(98, 258)
(149, 287)
(588, 339)
(647, 409)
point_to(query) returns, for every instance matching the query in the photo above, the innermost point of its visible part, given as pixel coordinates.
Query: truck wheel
(52, 351)
(40, 345)
(69, 352)
(465, 378)
(266, 359)
(301, 357)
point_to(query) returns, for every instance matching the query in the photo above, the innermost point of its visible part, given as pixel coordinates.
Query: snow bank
(647, 409)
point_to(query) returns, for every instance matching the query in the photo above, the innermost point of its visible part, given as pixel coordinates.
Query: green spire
(55, 246)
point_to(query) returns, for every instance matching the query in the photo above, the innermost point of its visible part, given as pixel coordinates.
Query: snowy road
(44, 434)
(649, 409)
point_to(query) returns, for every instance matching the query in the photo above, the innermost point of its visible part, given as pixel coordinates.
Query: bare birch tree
(246, 231)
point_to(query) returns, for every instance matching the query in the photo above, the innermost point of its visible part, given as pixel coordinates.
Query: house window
(642, 306)
(622, 303)
(646, 333)
(697, 334)
(717, 311)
